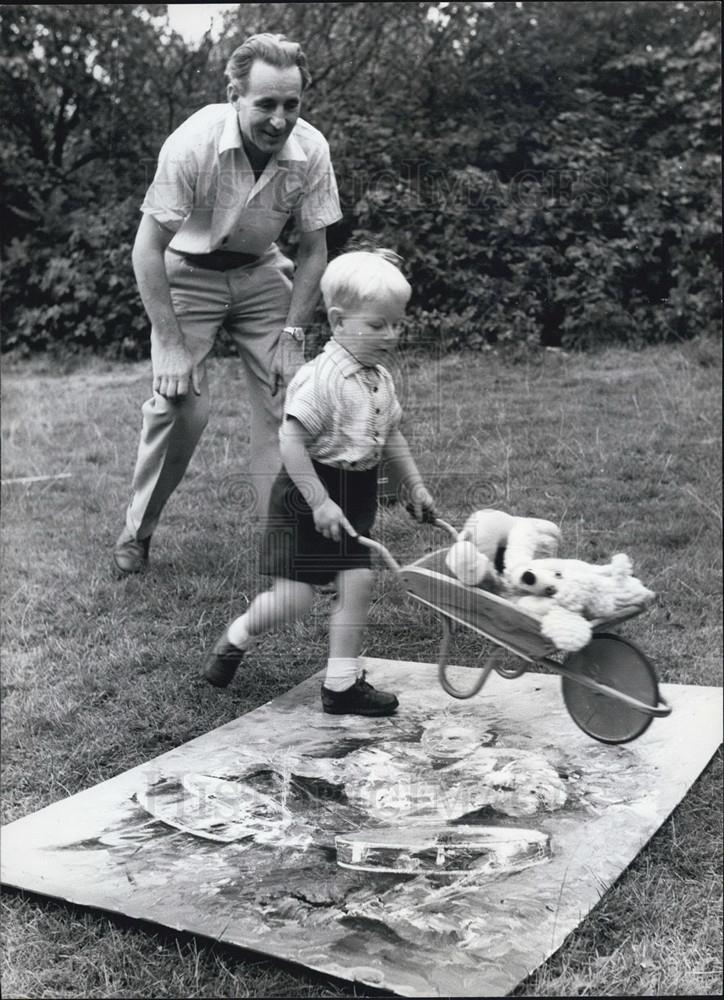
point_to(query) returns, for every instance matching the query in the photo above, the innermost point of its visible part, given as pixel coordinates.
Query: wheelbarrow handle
(382, 550)
(453, 532)
(430, 517)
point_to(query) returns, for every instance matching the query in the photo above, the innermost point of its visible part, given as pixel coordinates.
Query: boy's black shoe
(221, 663)
(360, 699)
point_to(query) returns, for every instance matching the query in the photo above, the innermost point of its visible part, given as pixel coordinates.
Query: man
(204, 257)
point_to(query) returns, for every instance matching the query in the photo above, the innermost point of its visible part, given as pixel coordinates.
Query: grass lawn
(622, 449)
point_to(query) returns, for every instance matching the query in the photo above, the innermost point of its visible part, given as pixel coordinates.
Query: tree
(87, 94)
(549, 171)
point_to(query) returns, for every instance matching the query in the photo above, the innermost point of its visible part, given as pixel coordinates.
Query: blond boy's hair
(363, 276)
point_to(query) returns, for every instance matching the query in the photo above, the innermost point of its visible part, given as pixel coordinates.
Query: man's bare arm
(311, 262)
(173, 367)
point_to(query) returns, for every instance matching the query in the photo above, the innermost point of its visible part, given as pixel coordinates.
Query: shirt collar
(230, 134)
(230, 138)
(292, 149)
(345, 362)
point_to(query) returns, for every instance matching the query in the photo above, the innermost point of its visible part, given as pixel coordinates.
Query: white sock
(237, 633)
(341, 673)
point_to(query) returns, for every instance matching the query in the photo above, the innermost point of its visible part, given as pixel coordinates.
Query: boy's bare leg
(345, 690)
(349, 613)
(284, 603)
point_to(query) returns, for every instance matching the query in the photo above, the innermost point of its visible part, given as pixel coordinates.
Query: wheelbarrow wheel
(611, 660)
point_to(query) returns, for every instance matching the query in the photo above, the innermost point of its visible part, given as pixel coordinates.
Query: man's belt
(219, 260)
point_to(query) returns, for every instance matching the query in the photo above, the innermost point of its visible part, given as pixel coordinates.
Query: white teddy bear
(516, 557)
(565, 594)
(493, 545)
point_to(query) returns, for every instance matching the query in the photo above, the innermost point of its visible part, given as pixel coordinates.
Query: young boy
(341, 419)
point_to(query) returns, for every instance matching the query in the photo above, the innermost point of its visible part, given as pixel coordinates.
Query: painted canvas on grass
(448, 850)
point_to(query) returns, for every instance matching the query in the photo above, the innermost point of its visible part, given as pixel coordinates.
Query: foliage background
(550, 172)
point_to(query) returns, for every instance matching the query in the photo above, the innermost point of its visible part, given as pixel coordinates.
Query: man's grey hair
(276, 50)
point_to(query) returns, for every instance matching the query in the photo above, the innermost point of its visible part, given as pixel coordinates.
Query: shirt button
(377, 410)
(375, 389)
(225, 241)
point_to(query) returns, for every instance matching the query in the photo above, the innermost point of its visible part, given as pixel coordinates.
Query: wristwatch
(295, 332)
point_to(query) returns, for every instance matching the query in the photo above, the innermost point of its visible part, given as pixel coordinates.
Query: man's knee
(193, 411)
(189, 414)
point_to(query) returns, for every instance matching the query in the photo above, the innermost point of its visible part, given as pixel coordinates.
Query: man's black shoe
(221, 663)
(130, 554)
(360, 699)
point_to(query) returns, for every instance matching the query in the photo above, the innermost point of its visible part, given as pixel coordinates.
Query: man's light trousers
(251, 302)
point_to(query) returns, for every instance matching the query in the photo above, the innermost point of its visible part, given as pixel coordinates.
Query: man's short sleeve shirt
(204, 188)
(349, 409)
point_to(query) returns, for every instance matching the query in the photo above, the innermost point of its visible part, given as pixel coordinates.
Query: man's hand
(288, 358)
(330, 521)
(420, 504)
(173, 371)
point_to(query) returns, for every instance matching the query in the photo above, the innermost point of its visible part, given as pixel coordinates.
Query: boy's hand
(329, 520)
(421, 505)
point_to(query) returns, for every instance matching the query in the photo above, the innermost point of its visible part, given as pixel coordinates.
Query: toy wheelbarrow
(610, 688)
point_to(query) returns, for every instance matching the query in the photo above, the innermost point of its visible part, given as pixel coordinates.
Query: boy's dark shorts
(291, 546)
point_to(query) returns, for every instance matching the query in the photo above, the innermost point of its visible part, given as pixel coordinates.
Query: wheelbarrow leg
(442, 666)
